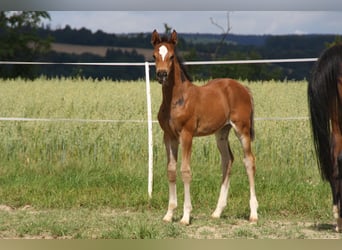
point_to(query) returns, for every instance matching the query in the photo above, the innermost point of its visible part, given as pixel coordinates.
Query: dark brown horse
(188, 110)
(325, 105)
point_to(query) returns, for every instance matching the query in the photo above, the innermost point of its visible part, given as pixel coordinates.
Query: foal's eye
(171, 57)
(154, 57)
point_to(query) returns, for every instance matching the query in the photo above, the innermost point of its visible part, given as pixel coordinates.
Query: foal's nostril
(161, 76)
(162, 73)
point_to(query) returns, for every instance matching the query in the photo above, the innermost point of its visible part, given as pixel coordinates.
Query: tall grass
(54, 165)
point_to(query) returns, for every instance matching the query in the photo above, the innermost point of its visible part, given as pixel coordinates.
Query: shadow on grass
(323, 227)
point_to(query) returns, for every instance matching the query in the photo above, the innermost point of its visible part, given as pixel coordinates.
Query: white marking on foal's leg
(163, 51)
(172, 202)
(226, 163)
(222, 201)
(187, 204)
(253, 203)
(335, 212)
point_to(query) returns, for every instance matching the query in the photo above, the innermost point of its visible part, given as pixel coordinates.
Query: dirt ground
(201, 227)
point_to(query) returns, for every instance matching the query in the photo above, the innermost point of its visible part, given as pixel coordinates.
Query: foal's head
(163, 54)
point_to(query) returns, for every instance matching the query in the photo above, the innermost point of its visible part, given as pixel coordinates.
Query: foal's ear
(173, 38)
(155, 38)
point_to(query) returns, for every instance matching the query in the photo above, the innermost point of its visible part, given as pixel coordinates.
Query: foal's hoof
(253, 220)
(215, 216)
(167, 218)
(217, 213)
(339, 225)
(185, 221)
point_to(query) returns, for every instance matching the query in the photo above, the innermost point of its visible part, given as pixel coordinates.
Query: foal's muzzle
(161, 76)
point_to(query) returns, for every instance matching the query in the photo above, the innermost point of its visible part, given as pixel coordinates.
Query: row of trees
(85, 36)
(23, 37)
(98, 72)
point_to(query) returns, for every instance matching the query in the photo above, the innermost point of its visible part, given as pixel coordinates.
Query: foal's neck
(177, 81)
(177, 76)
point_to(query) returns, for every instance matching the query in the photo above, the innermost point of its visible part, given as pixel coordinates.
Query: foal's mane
(183, 67)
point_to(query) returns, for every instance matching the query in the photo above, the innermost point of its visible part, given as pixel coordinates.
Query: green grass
(74, 170)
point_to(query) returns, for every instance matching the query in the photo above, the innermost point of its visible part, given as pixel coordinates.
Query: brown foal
(188, 110)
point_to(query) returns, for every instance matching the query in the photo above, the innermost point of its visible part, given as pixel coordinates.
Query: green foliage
(252, 72)
(338, 40)
(84, 36)
(19, 40)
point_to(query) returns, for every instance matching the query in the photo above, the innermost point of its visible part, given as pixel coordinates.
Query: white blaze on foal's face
(163, 51)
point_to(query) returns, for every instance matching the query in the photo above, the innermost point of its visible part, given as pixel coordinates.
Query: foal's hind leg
(226, 161)
(243, 132)
(171, 152)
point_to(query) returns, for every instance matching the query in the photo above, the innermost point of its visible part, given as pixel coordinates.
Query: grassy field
(72, 179)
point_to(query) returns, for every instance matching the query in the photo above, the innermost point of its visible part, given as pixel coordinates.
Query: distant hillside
(255, 40)
(83, 45)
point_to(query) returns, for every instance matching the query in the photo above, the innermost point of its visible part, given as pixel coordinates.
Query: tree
(338, 40)
(19, 40)
(225, 32)
(167, 29)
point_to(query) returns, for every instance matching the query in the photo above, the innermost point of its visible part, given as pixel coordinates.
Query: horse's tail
(320, 125)
(324, 101)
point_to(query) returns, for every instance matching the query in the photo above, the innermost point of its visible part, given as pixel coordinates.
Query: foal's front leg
(171, 152)
(186, 143)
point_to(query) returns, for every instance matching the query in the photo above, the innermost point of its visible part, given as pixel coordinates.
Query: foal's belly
(209, 127)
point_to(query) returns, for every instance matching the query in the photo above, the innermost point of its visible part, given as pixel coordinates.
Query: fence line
(253, 61)
(76, 63)
(23, 119)
(148, 96)
(291, 60)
